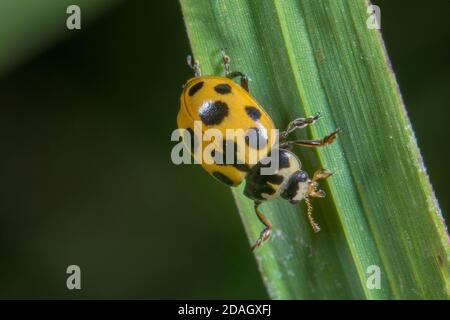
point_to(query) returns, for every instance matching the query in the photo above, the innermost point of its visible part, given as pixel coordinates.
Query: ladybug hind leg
(311, 143)
(265, 233)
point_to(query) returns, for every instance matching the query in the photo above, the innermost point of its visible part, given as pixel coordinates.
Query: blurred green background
(86, 176)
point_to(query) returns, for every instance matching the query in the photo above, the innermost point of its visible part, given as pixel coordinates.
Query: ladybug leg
(194, 65)
(311, 143)
(243, 77)
(233, 74)
(226, 61)
(321, 174)
(265, 233)
(299, 123)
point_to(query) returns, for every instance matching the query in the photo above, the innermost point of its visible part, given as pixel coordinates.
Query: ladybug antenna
(194, 65)
(313, 224)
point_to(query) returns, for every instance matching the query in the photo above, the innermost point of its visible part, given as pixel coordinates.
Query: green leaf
(380, 210)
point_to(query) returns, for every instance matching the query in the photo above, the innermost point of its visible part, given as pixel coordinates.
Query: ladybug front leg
(299, 123)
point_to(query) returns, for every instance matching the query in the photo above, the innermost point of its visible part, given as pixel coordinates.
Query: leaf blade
(306, 57)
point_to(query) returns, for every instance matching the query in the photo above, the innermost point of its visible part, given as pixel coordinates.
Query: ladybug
(219, 103)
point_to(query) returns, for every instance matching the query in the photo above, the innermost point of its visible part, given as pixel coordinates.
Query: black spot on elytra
(255, 139)
(242, 167)
(283, 159)
(213, 113)
(226, 147)
(223, 88)
(222, 178)
(253, 113)
(221, 158)
(195, 88)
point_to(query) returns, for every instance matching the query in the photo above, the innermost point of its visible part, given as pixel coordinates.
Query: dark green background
(85, 170)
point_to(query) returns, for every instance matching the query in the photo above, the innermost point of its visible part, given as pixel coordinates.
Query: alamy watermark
(374, 277)
(374, 20)
(213, 147)
(73, 21)
(74, 279)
